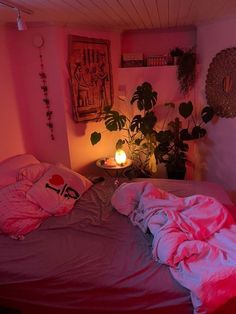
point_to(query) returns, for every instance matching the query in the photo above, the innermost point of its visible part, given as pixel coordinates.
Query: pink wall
(25, 68)
(11, 138)
(72, 144)
(219, 152)
(154, 42)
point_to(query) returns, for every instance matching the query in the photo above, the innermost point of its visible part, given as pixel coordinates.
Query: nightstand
(115, 171)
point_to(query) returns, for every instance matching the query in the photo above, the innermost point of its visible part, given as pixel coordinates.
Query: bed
(92, 259)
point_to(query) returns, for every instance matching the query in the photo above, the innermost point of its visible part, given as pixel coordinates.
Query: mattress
(94, 260)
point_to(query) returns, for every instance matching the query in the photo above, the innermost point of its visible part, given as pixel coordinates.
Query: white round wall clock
(38, 41)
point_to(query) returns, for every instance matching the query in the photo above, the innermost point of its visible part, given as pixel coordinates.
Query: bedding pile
(195, 236)
(31, 191)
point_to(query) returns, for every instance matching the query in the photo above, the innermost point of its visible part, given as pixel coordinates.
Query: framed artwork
(90, 77)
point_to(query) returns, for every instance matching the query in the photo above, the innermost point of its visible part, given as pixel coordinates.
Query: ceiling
(120, 14)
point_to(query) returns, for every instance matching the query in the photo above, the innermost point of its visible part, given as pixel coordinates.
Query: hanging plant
(38, 42)
(186, 72)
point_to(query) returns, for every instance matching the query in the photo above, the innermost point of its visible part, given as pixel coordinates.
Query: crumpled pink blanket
(195, 236)
(19, 216)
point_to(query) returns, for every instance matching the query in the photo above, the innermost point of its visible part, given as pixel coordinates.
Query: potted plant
(176, 53)
(138, 131)
(186, 71)
(172, 147)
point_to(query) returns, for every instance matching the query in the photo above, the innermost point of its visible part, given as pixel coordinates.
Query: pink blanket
(195, 236)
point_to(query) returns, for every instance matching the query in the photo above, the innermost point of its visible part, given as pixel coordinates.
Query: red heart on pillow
(56, 179)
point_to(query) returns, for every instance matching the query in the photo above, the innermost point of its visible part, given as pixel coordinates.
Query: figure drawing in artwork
(103, 78)
(83, 85)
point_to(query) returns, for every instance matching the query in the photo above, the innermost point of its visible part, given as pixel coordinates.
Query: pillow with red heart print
(58, 189)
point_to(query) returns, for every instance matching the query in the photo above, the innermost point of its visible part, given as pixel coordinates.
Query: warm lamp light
(120, 157)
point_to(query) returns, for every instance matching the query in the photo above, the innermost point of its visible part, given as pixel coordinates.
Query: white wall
(219, 151)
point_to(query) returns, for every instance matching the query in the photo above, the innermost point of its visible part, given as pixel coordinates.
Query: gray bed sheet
(93, 260)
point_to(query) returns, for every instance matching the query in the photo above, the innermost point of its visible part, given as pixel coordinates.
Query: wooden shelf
(150, 67)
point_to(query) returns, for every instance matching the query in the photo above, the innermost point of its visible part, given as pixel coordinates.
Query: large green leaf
(114, 121)
(148, 122)
(198, 132)
(207, 114)
(120, 143)
(135, 123)
(185, 135)
(161, 152)
(144, 95)
(186, 109)
(95, 138)
(164, 137)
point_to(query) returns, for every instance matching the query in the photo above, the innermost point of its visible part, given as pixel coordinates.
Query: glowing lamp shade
(120, 157)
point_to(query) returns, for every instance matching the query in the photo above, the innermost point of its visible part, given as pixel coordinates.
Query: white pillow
(32, 172)
(58, 189)
(10, 167)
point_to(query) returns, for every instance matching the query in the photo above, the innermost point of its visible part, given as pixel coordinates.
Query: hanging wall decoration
(221, 83)
(91, 85)
(38, 42)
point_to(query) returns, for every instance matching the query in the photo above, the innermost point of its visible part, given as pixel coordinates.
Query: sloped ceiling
(120, 14)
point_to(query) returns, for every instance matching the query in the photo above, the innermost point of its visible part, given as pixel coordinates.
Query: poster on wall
(90, 77)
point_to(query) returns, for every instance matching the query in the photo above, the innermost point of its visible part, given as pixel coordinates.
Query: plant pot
(176, 173)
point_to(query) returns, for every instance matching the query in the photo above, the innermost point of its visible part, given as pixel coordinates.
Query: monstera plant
(137, 132)
(173, 146)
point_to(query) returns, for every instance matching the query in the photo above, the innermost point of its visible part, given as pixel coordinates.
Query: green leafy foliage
(114, 121)
(95, 138)
(176, 52)
(186, 109)
(136, 123)
(140, 134)
(148, 146)
(186, 72)
(172, 147)
(120, 143)
(207, 114)
(145, 97)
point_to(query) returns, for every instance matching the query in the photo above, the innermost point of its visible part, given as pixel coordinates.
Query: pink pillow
(58, 189)
(10, 167)
(33, 172)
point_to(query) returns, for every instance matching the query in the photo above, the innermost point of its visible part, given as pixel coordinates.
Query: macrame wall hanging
(38, 42)
(220, 83)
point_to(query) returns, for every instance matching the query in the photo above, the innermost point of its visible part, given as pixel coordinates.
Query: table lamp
(120, 157)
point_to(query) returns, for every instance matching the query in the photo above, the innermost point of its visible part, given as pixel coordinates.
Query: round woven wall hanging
(221, 83)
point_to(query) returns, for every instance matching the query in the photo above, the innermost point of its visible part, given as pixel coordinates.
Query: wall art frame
(91, 83)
